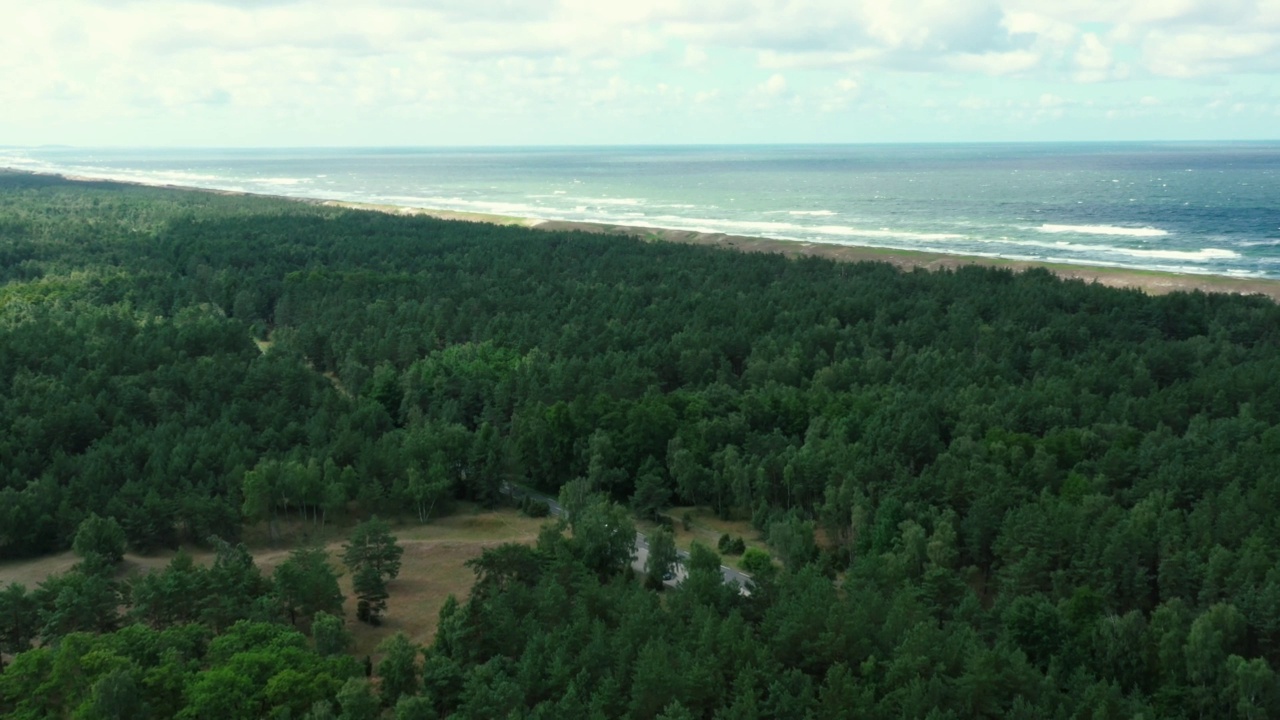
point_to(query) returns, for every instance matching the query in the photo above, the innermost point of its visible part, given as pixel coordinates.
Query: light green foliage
(604, 536)
(428, 489)
(575, 496)
(793, 539)
(398, 670)
(1214, 636)
(357, 701)
(662, 556)
(321, 710)
(330, 634)
(115, 696)
(415, 707)
(99, 541)
(757, 563)
(306, 584)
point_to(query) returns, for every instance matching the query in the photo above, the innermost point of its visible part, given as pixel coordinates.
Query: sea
(1206, 208)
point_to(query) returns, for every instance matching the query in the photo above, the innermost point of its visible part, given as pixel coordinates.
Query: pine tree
(373, 545)
(305, 584)
(373, 556)
(372, 593)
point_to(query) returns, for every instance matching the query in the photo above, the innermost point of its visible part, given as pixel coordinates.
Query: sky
(250, 73)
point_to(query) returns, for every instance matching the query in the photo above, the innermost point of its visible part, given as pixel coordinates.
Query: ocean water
(1193, 208)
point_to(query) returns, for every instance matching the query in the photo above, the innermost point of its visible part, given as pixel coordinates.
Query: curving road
(731, 576)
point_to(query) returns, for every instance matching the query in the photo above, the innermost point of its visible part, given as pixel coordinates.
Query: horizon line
(557, 146)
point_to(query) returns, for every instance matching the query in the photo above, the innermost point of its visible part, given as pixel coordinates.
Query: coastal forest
(986, 493)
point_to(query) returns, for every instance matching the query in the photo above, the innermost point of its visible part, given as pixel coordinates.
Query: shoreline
(1152, 282)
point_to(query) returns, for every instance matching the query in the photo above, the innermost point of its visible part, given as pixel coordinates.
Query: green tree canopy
(372, 545)
(99, 541)
(661, 562)
(306, 584)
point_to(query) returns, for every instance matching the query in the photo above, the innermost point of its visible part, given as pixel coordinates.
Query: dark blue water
(1201, 208)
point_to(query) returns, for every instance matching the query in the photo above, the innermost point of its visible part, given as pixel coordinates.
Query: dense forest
(991, 493)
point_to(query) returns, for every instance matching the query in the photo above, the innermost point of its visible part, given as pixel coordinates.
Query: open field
(707, 529)
(433, 567)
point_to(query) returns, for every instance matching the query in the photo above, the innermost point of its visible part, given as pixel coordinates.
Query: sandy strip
(1149, 281)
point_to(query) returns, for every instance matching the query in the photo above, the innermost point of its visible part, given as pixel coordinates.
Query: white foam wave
(882, 233)
(149, 177)
(1201, 255)
(794, 231)
(282, 181)
(629, 202)
(802, 213)
(141, 177)
(719, 225)
(490, 207)
(1103, 230)
(487, 206)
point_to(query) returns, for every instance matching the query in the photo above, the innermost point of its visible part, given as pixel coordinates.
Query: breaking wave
(1104, 230)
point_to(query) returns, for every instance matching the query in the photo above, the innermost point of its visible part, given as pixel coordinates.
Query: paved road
(731, 576)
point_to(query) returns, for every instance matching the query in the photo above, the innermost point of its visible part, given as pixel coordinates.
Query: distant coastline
(1150, 281)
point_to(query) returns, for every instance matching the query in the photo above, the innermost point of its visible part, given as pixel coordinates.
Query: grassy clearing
(33, 571)
(707, 529)
(432, 568)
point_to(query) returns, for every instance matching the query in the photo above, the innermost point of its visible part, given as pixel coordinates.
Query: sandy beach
(1149, 281)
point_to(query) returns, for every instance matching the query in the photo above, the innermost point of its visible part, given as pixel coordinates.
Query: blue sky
(468, 72)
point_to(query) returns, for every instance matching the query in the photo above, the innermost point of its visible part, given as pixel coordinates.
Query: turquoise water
(1200, 208)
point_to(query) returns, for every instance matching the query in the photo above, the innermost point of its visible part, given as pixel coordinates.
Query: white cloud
(996, 63)
(840, 95)
(268, 63)
(1093, 60)
(694, 57)
(1209, 52)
